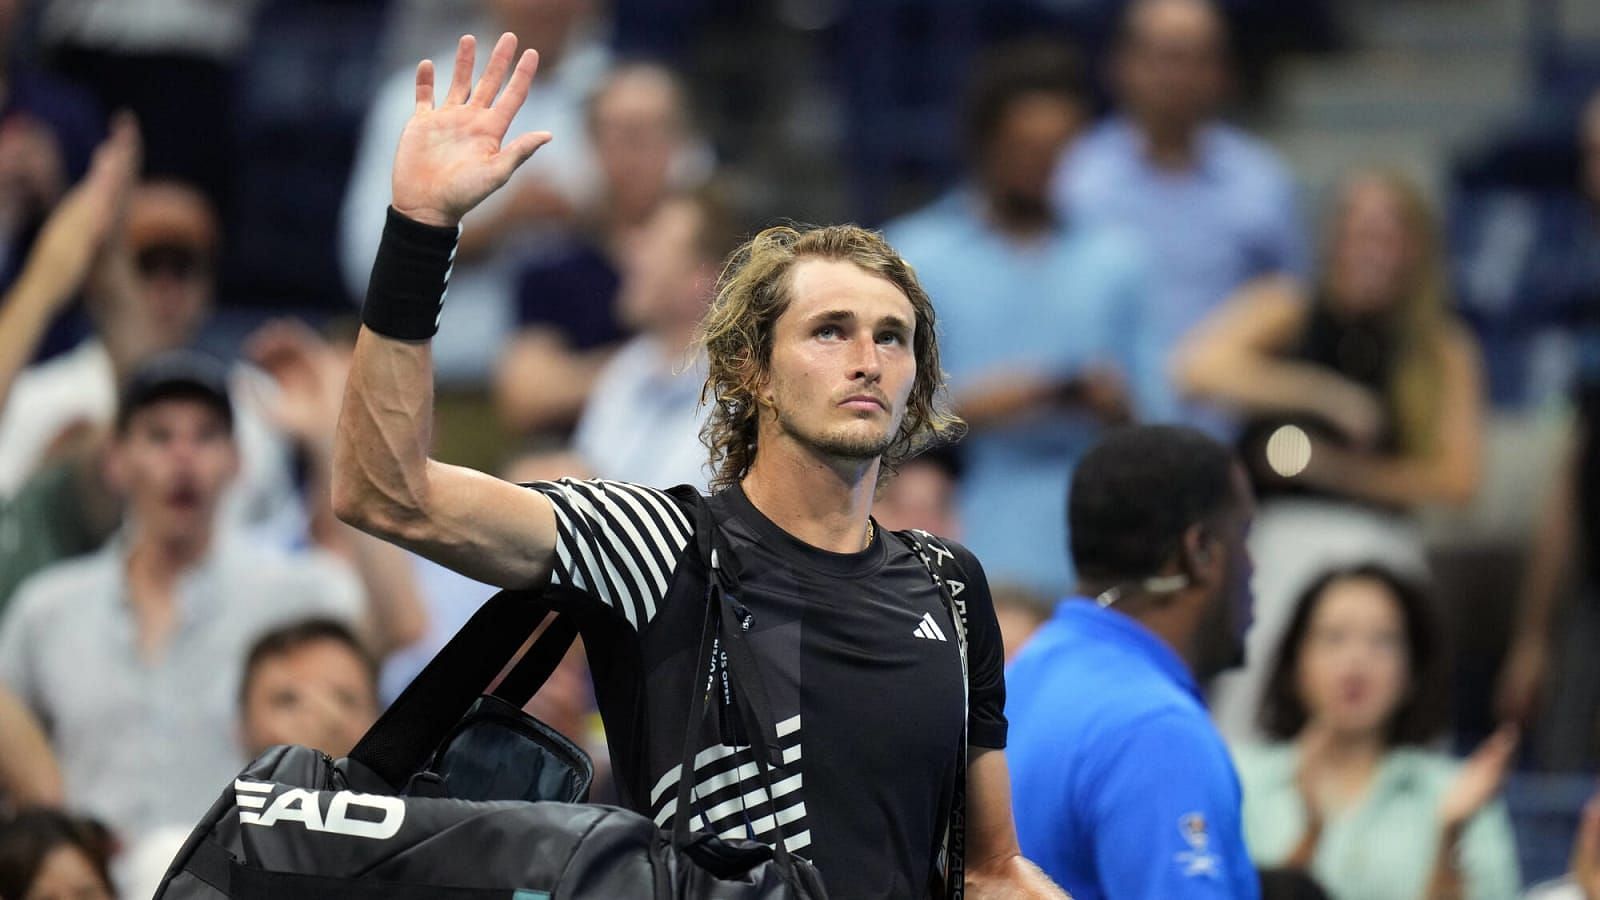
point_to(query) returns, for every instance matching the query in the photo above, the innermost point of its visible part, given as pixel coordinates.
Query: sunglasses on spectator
(177, 261)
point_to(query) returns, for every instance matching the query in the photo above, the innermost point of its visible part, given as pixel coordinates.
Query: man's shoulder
(1245, 156)
(63, 587)
(922, 234)
(1112, 687)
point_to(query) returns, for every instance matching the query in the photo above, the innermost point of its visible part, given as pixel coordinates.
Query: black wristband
(405, 295)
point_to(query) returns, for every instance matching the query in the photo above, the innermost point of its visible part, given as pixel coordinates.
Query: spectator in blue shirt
(1036, 314)
(1121, 786)
(1215, 206)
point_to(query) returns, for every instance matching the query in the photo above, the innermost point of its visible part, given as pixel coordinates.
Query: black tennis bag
(452, 796)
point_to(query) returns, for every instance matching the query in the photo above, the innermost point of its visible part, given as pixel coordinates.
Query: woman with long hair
(1344, 789)
(1360, 403)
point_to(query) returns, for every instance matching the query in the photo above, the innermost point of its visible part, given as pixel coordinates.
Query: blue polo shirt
(1121, 785)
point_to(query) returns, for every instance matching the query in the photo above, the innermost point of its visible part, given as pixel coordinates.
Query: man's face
(171, 279)
(1170, 71)
(637, 131)
(1022, 153)
(1231, 607)
(842, 363)
(319, 695)
(172, 462)
(921, 495)
(666, 279)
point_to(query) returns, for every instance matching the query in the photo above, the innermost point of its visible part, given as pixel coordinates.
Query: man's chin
(857, 445)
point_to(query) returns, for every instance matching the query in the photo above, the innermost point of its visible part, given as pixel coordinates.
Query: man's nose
(865, 363)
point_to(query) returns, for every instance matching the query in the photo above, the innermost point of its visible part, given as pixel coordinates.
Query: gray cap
(184, 374)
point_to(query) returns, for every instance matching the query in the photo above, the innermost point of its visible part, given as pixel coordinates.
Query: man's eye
(891, 337)
(828, 331)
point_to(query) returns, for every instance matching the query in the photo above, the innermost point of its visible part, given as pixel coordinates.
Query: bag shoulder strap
(941, 564)
(403, 739)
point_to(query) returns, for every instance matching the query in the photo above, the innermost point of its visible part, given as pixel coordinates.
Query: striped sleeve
(618, 542)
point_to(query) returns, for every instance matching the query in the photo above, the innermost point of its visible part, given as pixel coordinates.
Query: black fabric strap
(212, 864)
(407, 733)
(405, 295)
(536, 666)
(955, 842)
(723, 649)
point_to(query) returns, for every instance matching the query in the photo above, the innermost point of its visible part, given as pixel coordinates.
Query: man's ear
(1201, 555)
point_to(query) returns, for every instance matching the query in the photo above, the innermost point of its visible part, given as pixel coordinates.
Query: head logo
(381, 819)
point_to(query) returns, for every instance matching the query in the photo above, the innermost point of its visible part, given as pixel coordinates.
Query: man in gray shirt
(131, 656)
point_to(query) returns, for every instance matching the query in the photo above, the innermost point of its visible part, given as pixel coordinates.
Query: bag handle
(404, 738)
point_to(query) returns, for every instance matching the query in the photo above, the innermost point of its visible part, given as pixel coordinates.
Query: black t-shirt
(857, 655)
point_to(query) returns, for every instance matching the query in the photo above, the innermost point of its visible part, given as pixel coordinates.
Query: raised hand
(79, 227)
(1480, 778)
(310, 374)
(453, 156)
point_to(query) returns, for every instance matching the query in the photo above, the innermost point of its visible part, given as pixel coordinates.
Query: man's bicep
(1157, 810)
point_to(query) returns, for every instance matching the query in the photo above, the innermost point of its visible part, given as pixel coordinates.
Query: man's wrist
(429, 217)
(405, 297)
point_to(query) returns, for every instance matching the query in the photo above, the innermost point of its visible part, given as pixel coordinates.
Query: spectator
(1037, 314)
(1121, 785)
(923, 495)
(1550, 672)
(310, 683)
(540, 199)
(1215, 207)
(63, 510)
(1363, 404)
(171, 62)
(652, 386)
(1345, 791)
(568, 318)
(49, 855)
(152, 294)
(130, 657)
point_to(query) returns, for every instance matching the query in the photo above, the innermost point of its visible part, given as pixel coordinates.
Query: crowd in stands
(1102, 246)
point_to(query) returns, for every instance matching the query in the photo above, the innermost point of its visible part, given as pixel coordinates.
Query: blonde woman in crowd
(1360, 402)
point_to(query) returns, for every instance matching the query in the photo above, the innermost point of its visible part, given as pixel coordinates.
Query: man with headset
(823, 371)
(1126, 789)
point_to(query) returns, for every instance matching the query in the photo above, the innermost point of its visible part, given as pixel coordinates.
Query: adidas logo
(929, 629)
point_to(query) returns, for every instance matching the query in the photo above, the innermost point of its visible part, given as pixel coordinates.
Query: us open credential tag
(301, 805)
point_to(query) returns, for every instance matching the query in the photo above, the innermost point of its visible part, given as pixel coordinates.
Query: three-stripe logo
(928, 629)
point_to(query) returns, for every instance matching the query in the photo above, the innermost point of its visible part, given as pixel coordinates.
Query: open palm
(454, 155)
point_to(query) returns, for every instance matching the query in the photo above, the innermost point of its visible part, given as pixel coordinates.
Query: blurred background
(1359, 239)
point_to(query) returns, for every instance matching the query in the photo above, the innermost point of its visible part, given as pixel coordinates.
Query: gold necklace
(872, 531)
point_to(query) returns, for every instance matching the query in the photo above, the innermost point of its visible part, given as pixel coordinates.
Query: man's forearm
(380, 453)
(24, 315)
(1013, 878)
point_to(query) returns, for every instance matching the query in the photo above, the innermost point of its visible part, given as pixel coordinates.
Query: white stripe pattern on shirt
(617, 541)
(729, 798)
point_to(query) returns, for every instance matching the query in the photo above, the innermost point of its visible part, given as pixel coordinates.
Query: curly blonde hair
(737, 332)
